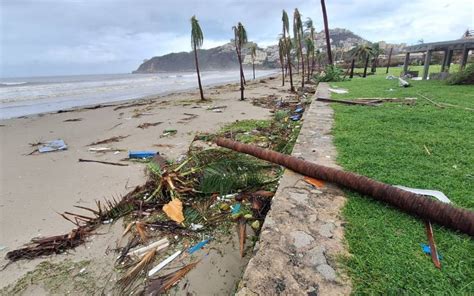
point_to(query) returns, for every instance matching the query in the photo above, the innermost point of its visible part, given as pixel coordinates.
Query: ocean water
(33, 95)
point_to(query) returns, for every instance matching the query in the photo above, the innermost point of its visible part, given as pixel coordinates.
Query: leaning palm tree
(197, 38)
(240, 39)
(326, 31)
(286, 30)
(281, 53)
(253, 55)
(298, 32)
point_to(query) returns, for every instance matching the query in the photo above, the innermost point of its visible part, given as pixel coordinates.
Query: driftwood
(413, 204)
(103, 162)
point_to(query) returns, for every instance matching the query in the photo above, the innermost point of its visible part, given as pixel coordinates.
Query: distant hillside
(224, 57)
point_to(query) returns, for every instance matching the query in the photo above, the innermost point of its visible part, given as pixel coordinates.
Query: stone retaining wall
(303, 232)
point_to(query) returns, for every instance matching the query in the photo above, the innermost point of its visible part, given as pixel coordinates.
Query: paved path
(303, 232)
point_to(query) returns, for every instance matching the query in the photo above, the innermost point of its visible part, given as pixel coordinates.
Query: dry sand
(35, 187)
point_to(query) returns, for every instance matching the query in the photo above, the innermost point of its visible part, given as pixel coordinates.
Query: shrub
(331, 74)
(465, 76)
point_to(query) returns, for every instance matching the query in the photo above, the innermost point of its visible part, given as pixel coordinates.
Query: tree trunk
(389, 60)
(198, 74)
(307, 60)
(352, 68)
(417, 205)
(302, 61)
(292, 88)
(326, 30)
(282, 75)
(366, 66)
(253, 68)
(242, 78)
(374, 66)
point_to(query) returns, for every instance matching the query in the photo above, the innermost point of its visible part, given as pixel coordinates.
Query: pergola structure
(448, 47)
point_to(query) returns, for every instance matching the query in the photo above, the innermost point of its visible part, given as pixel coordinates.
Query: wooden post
(389, 60)
(449, 60)
(465, 52)
(405, 64)
(426, 67)
(445, 59)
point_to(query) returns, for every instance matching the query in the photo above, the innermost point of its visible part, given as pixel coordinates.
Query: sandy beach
(34, 188)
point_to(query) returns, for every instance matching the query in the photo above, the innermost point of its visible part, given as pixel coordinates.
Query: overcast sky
(58, 37)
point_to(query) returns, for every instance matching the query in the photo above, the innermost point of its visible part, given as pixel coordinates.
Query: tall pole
(389, 59)
(326, 30)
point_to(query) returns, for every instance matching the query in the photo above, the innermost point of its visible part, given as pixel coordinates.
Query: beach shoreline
(34, 188)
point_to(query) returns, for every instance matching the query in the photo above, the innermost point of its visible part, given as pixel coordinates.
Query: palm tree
(240, 39)
(197, 38)
(311, 31)
(363, 51)
(326, 31)
(286, 30)
(309, 52)
(253, 54)
(376, 52)
(281, 52)
(298, 32)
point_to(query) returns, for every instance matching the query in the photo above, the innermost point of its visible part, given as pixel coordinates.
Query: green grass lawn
(388, 143)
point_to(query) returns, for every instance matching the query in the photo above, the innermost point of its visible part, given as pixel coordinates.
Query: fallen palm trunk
(414, 204)
(347, 102)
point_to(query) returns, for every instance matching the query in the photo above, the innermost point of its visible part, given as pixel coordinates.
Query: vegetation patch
(57, 278)
(421, 146)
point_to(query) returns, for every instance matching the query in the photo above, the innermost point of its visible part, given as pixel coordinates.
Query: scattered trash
(434, 193)
(236, 208)
(168, 132)
(142, 154)
(216, 107)
(198, 246)
(315, 182)
(162, 284)
(2, 248)
(174, 210)
(50, 146)
(299, 110)
(403, 83)
(390, 77)
(338, 91)
(156, 246)
(427, 250)
(417, 78)
(73, 120)
(149, 124)
(296, 117)
(196, 226)
(102, 162)
(164, 263)
(109, 140)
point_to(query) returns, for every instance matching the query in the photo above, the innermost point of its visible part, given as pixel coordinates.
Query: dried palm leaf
(133, 273)
(162, 284)
(140, 226)
(174, 210)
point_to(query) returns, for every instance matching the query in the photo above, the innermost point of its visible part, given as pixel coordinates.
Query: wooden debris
(102, 162)
(431, 101)
(141, 265)
(347, 102)
(109, 140)
(160, 285)
(434, 252)
(149, 124)
(242, 227)
(73, 120)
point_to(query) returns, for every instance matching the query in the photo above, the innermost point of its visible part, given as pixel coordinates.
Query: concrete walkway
(303, 232)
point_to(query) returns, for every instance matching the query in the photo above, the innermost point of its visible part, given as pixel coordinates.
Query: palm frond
(160, 285)
(286, 23)
(197, 37)
(133, 273)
